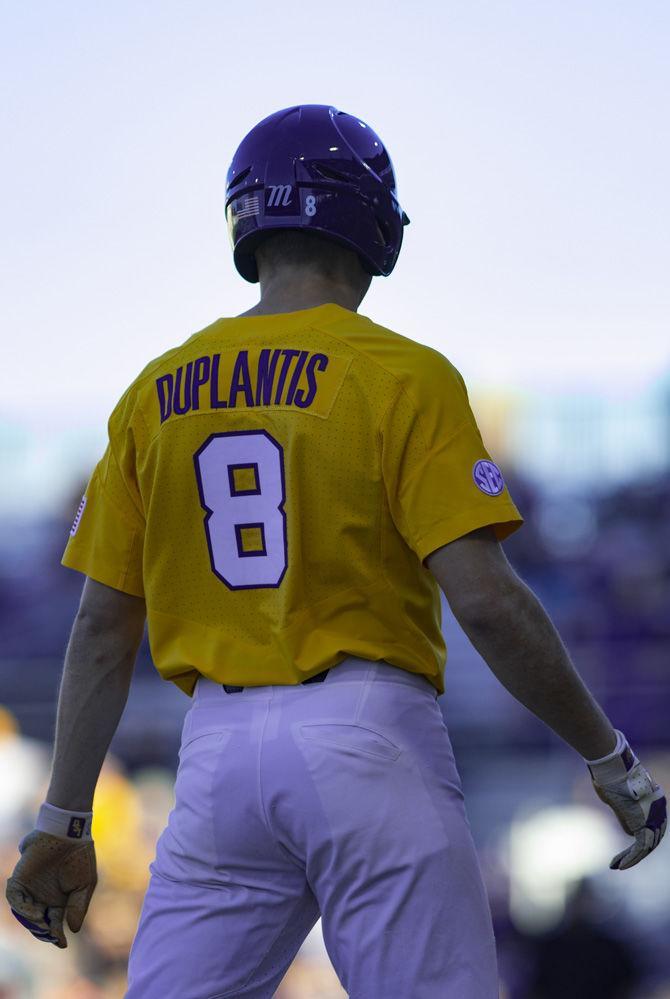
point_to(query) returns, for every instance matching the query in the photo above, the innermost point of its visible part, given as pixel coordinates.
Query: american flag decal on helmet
(247, 205)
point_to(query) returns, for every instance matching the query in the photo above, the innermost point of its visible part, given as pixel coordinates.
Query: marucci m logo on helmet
(315, 168)
(280, 194)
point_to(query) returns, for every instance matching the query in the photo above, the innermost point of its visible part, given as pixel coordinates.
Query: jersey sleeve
(107, 537)
(440, 480)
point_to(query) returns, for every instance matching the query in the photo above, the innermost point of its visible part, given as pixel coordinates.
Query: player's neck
(279, 295)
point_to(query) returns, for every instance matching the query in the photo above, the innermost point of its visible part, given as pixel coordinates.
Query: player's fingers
(35, 928)
(22, 903)
(45, 923)
(77, 907)
(644, 844)
(54, 917)
(660, 831)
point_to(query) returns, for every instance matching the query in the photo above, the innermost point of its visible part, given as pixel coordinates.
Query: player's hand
(54, 878)
(636, 799)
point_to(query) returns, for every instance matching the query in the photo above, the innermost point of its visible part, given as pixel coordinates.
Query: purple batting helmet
(314, 168)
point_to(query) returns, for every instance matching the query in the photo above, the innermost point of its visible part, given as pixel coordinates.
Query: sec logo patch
(488, 477)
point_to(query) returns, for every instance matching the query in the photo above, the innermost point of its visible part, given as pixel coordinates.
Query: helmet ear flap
(384, 231)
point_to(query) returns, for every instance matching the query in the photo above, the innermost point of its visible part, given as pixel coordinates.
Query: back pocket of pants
(356, 738)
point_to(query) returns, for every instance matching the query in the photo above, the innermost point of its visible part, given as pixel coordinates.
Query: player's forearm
(93, 693)
(523, 649)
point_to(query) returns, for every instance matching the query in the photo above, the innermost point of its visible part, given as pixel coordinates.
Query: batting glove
(55, 877)
(636, 799)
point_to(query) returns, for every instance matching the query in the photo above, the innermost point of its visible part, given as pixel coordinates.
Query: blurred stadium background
(530, 158)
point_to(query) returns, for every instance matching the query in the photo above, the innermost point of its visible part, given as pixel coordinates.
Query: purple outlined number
(242, 488)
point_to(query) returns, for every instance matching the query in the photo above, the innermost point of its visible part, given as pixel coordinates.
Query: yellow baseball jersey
(271, 488)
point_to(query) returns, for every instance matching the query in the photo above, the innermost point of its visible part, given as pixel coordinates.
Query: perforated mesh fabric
(370, 439)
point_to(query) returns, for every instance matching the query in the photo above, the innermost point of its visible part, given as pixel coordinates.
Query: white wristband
(64, 823)
(620, 743)
(616, 765)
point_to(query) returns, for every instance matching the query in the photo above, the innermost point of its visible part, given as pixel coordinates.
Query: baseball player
(282, 498)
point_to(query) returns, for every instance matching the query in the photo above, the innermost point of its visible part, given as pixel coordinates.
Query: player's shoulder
(415, 366)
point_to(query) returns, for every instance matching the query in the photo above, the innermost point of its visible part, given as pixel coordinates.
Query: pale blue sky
(532, 155)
